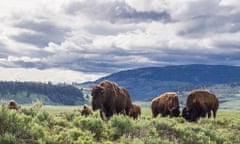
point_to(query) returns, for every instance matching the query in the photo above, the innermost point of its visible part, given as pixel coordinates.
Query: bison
(166, 104)
(12, 104)
(110, 99)
(135, 111)
(198, 104)
(86, 111)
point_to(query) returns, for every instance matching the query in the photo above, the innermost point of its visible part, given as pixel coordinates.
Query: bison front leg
(102, 115)
(214, 114)
(123, 112)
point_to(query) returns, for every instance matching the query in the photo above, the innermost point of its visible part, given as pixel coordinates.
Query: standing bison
(198, 104)
(166, 104)
(12, 104)
(86, 111)
(135, 111)
(110, 99)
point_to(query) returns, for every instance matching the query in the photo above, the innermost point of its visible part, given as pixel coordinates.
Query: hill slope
(27, 92)
(146, 83)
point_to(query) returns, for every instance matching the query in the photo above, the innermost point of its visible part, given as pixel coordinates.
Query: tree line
(57, 93)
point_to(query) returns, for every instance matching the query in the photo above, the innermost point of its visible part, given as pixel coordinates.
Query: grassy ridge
(62, 124)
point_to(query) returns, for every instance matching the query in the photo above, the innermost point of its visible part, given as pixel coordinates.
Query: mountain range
(147, 83)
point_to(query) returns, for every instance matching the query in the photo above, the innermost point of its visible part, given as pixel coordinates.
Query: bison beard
(166, 104)
(110, 99)
(198, 104)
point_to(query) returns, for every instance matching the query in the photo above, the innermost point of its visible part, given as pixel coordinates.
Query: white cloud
(104, 37)
(53, 75)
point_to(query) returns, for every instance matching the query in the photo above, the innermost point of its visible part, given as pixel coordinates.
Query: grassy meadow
(39, 124)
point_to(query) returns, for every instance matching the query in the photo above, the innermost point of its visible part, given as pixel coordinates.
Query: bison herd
(112, 99)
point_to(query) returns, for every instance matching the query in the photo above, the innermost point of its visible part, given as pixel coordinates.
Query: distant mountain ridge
(146, 83)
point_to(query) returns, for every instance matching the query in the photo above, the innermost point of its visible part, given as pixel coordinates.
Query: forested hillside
(228, 94)
(146, 83)
(47, 93)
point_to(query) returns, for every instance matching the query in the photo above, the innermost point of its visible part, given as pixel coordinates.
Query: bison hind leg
(209, 114)
(214, 113)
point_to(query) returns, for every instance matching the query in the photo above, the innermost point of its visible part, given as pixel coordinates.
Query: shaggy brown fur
(135, 111)
(86, 111)
(110, 99)
(12, 104)
(166, 104)
(199, 103)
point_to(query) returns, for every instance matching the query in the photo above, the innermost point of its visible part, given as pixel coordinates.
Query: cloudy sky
(81, 40)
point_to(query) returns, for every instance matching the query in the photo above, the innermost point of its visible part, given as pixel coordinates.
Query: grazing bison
(86, 111)
(166, 104)
(198, 104)
(110, 99)
(135, 111)
(12, 104)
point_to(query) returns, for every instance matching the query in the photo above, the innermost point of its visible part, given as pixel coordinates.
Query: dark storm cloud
(181, 57)
(203, 26)
(39, 40)
(43, 33)
(2, 46)
(105, 28)
(114, 12)
(109, 61)
(3, 51)
(229, 46)
(113, 60)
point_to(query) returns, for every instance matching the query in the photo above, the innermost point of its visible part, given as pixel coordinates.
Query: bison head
(185, 113)
(97, 94)
(173, 106)
(175, 112)
(189, 115)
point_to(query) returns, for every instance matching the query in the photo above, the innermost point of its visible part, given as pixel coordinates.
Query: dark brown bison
(86, 111)
(110, 99)
(166, 104)
(135, 111)
(12, 104)
(198, 104)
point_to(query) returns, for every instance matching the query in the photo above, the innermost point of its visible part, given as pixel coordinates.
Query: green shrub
(61, 122)
(81, 137)
(36, 126)
(63, 137)
(37, 133)
(68, 116)
(120, 125)
(8, 138)
(95, 126)
(29, 111)
(37, 105)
